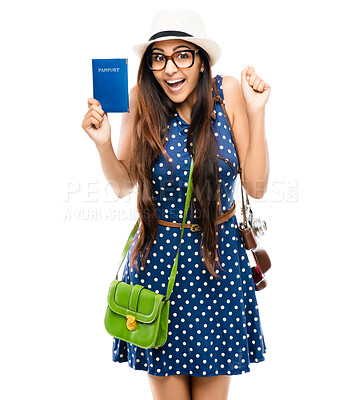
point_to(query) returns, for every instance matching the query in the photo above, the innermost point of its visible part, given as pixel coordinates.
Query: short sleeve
(219, 80)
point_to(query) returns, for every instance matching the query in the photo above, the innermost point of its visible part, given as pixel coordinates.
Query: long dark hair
(152, 119)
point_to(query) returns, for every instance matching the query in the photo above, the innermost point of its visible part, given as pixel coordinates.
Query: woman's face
(178, 92)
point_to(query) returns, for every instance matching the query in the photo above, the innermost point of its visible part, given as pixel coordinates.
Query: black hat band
(169, 33)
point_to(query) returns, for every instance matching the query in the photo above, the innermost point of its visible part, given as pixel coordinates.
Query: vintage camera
(256, 227)
(258, 224)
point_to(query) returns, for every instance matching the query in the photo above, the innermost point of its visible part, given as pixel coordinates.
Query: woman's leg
(210, 387)
(171, 387)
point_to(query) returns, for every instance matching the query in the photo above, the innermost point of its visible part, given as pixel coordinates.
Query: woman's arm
(247, 122)
(116, 166)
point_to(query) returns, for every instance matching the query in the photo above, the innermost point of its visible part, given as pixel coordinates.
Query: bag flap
(126, 299)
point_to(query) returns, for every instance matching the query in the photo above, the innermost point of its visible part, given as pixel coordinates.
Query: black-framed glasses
(181, 59)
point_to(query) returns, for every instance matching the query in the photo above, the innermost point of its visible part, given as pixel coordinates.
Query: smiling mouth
(175, 85)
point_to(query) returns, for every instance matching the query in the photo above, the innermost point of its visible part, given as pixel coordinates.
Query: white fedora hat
(180, 24)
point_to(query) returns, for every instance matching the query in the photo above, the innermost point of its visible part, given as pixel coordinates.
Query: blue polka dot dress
(214, 325)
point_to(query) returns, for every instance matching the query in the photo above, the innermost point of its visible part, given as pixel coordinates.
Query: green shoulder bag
(136, 314)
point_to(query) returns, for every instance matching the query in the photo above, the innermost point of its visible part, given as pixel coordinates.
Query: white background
(55, 271)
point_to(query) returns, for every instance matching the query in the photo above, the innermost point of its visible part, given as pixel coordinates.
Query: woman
(175, 110)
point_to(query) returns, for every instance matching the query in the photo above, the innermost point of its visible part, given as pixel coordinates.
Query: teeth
(178, 80)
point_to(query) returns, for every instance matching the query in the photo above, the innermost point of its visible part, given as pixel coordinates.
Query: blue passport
(110, 84)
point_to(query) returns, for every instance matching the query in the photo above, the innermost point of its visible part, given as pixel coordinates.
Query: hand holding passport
(110, 94)
(96, 123)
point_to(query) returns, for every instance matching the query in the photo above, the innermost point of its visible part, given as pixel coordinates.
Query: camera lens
(259, 226)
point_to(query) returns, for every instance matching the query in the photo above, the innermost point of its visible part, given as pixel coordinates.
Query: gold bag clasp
(131, 322)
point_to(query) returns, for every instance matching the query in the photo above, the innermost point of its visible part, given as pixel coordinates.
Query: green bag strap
(135, 228)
